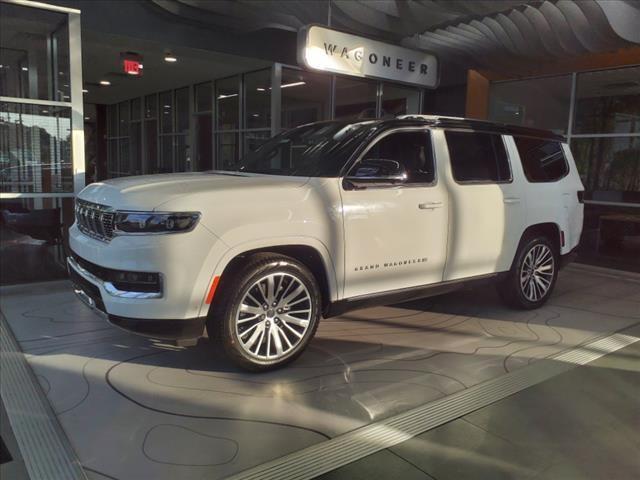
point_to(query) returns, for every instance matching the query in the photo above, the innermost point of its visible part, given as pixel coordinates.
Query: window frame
(360, 156)
(479, 182)
(567, 169)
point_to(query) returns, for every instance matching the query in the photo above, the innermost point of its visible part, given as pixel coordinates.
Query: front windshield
(316, 150)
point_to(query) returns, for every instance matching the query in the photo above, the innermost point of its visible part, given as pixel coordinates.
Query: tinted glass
(166, 112)
(203, 94)
(399, 100)
(182, 110)
(355, 99)
(32, 42)
(609, 167)
(542, 160)
(305, 97)
(412, 150)
(227, 103)
(608, 101)
(537, 102)
(318, 150)
(35, 149)
(258, 99)
(477, 157)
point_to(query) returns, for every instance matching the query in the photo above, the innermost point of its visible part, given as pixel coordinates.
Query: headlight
(143, 222)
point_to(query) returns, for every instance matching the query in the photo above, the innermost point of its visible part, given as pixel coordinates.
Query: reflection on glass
(537, 102)
(150, 106)
(204, 144)
(166, 154)
(123, 117)
(608, 101)
(305, 97)
(399, 100)
(165, 101)
(26, 65)
(35, 149)
(355, 98)
(151, 146)
(609, 167)
(258, 99)
(203, 93)
(227, 103)
(123, 160)
(112, 120)
(228, 151)
(252, 140)
(136, 148)
(182, 110)
(136, 112)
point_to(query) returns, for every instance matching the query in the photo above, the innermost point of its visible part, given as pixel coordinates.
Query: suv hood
(149, 192)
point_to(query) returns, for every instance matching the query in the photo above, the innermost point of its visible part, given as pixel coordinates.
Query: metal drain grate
(44, 447)
(344, 449)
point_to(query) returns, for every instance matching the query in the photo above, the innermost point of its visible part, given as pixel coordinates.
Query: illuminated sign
(131, 63)
(327, 50)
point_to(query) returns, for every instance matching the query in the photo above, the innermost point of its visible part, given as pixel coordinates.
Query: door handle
(511, 200)
(429, 205)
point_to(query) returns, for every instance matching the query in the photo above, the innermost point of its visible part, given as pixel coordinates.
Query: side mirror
(376, 172)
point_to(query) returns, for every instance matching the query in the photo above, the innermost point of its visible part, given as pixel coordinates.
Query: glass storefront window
(608, 101)
(228, 150)
(398, 100)
(537, 102)
(228, 103)
(204, 142)
(203, 93)
(123, 117)
(165, 102)
(609, 167)
(252, 140)
(258, 99)
(355, 98)
(26, 69)
(150, 106)
(306, 97)
(35, 148)
(182, 110)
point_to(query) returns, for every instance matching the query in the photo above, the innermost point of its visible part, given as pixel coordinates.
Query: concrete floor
(580, 425)
(137, 408)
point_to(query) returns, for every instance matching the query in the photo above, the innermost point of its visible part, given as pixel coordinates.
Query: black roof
(455, 122)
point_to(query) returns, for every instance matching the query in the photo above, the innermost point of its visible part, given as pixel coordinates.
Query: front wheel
(533, 275)
(268, 312)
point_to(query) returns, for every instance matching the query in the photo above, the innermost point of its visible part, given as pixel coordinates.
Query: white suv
(325, 218)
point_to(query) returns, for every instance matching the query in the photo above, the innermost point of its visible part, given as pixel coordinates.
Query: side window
(477, 157)
(542, 160)
(412, 150)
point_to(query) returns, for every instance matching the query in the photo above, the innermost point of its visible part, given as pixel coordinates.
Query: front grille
(95, 220)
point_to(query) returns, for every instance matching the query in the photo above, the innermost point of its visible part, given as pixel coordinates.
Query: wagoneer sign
(329, 50)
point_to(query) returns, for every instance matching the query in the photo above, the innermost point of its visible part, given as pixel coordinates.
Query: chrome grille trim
(94, 220)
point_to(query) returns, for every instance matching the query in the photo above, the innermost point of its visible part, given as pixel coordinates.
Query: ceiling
(101, 61)
(504, 36)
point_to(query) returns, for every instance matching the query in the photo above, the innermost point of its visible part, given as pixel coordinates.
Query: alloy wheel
(536, 272)
(273, 316)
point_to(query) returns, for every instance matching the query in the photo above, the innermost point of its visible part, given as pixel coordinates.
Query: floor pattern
(139, 408)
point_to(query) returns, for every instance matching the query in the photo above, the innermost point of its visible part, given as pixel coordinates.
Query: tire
(528, 286)
(261, 337)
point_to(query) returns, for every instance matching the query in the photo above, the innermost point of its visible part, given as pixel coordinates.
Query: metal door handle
(511, 199)
(429, 205)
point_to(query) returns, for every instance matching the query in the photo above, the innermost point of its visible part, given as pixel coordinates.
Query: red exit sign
(131, 63)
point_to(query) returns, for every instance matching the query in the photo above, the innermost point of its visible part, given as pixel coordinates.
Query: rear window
(542, 160)
(478, 157)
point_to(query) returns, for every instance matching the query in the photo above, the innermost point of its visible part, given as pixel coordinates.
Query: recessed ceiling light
(105, 83)
(87, 118)
(170, 58)
(24, 69)
(84, 90)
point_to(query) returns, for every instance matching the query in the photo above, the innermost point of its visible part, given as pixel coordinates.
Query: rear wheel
(533, 275)
(266, 313)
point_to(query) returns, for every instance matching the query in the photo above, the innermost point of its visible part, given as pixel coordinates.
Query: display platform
(139, 408)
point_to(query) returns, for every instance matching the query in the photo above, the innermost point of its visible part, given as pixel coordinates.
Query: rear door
(487, 213)
(396, 235)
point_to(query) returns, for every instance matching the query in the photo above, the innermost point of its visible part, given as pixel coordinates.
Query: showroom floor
(138, 408)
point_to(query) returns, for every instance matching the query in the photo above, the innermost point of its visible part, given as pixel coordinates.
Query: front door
(396, 234)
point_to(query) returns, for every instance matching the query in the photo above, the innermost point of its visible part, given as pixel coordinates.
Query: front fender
(218, 261)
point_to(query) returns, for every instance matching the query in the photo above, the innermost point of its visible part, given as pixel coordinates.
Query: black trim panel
(334, 309)
(169, 329)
